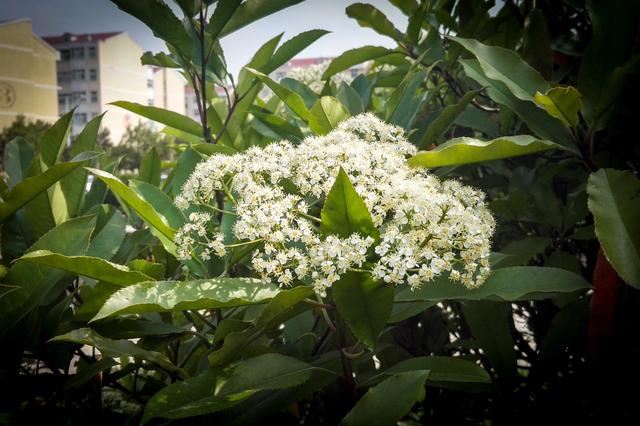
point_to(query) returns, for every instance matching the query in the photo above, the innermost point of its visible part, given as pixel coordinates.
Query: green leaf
(252, 10)
(185, 165)
(74, 185)
(18, 155)
(30, 187)
(166, 117)
(536, 43)
(224, 11)
(354, 57)
(620, 78)
(510, 284)
(36, 281)
(142, 207)
(364, 304)
(292, 47)
(506, 66)
(217, 389)
(562, 103)
(537, 120)
(519, 252)
(289, 97)
(490, 324)
(159, 59)
(326, 114)
(284, 305)
(614, 200)
(159, 18)
(167, 296)
(344, 212)
(370, 17)
(615, 29)
(52, 144)
(443, 370)
(86, 266)
(466, 150)
(150, 168)
(160, 202)
(348, 96)
(109, 233)
(387, 402)
(441, 123)
(117, 348)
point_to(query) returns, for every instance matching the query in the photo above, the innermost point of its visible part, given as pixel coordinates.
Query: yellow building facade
(28, 84)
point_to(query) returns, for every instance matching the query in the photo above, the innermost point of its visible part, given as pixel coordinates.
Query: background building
(168, 90)
(27, 74)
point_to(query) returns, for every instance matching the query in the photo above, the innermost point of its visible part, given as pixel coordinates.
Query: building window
(77, 52)
(78, 75)
(63, 76)
(150, 102)
(93, 74)
(94, 96)
(62, 98)
(150, 83)
(92, 51)
(65, 54)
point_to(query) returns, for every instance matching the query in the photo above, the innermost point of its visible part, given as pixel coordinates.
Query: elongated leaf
(87, 266)
(440, 125)
(252, 10)
(217, 389)
(166, 296)
(511, 284)
(224, 11)
(73, 186)
(160, 202)
(444, 370)
(29, 188)
(158, 17)
(344, 212)
(159, 59)
(150, 168)
(52, 144)
(562, 103)
(18, 155)
(164, 116)
(326, 114)
(36, 281)
(354, 57)
(469, 150)
(289, 97)
(614, 200)
(369, 16)
(506, 66)
(117, 348)
(536, 49)
(292, 47)
(386, 403)
(364, 304)
(538, 121)
(142, 207)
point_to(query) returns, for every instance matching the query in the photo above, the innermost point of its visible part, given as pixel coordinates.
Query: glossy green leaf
(224, 11)
(344, 212)
(166, 117)
(289, 97)
(109, 233)
(86, 266)
(369, 16)
(353, 57)
(160, 202)
(541, 123)
(292, 47)
(442, 122)
(217, 389)
(614, 200)
(142, 207)
(252, 10)
(117, 348)
(466, 150)
(150, 168)
(18, 155)
(29, 188)
(326, 114)
(536, 43)
(443, 370)
(52, 144)
(562, 103)
(511, 284)
(364, 304)
(506, 66)
(166, 296)
(159, 59)
(388, 401)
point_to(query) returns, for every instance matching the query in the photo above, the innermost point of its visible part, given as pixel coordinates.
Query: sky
(53, 17)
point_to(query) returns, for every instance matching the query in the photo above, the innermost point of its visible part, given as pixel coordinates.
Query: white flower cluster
(427, 227)
(312, 76)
